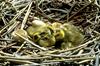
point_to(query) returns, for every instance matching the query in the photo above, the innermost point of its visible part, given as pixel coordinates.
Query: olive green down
(47, 35)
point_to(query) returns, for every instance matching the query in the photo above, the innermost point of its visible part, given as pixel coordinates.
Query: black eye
(45, 38)
(36, 37)
(51, 30)
(43, 33)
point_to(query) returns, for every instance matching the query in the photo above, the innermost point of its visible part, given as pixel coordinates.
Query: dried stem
(26, 15)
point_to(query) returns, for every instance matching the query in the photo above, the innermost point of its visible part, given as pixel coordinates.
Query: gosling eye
(43, 33)
(45, 38)
(36, 37)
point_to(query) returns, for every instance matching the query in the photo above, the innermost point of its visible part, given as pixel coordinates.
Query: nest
(16, 14)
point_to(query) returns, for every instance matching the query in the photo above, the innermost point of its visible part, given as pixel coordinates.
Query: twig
(15, 17)
(8, 46)
(6, 54)
(67, 15)
(84, 61)
(44, 15)
(3, 39)
(49, 18)
(20, 48)
(54, 9)
(26, 16)
(72, 59)
(71, 56)
(23, 58)
(42, 48)
(27, 48)
(97, 60)
(20, 61)
(11, 28)
(78, 11)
